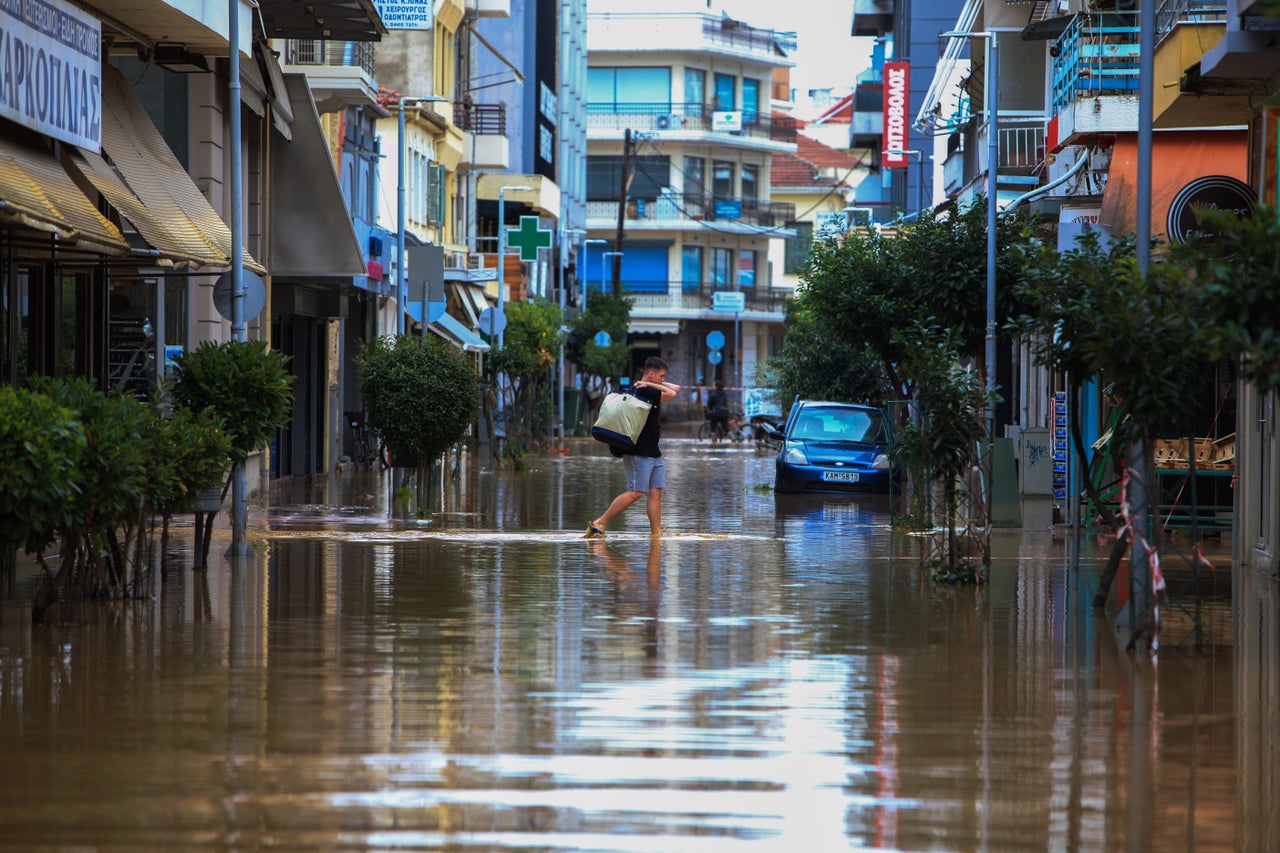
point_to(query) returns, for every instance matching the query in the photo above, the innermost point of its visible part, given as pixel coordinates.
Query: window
(797, 249)
(435, 195)
(695, 90)
(691, 268)
(750, 100)
(726, 90)
(604, 177)
(721, 268)
(695, 176)
(607, 88)
(750, 181)
(747, 269)
(722, 179)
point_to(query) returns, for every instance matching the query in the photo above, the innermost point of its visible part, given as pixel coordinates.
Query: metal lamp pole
(604, 256)
(920, 157)
(239, 482)
(564, 267)
(502, 249)
(402, 145)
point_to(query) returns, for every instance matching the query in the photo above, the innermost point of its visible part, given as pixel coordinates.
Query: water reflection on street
(775, 674)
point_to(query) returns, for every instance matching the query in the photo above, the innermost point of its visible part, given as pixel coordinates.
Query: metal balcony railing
(481, 119)
(686, 207)
(1021, 143)
(719, 29)
(347, 54)
(695, 296)
(665, 116)
(1097, 54)
(1170, 13)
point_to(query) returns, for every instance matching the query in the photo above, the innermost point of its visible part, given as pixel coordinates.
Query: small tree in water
(420, 396)
(939, 446)
(605, 313)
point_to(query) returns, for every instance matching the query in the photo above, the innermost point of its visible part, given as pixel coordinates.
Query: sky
(826, 55)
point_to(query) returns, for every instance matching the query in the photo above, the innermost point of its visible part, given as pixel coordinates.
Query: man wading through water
(645, 474)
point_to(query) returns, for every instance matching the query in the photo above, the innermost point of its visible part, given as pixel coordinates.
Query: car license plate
(840, 476)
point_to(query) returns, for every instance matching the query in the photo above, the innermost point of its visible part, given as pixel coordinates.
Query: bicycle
(362, 450)
(720, 431)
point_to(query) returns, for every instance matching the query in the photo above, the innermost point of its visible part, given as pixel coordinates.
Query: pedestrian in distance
(646, 475)
(718, 410)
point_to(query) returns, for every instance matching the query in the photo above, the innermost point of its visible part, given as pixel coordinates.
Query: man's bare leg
(620, 503)
(654, 509)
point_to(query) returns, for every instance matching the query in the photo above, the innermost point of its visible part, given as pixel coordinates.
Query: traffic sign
(715, 356)
(602, 339)
(492, 321)
(728, 300)
(255, 294)
(715, 340)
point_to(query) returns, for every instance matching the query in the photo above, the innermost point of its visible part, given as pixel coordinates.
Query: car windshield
(839, 424)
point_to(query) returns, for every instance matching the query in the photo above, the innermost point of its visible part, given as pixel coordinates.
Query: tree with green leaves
(816, 365)
(949, 424)
(420, 396)
(531, 346)
(605, 313)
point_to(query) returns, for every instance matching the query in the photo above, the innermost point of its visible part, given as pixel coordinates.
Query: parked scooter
(767, 431)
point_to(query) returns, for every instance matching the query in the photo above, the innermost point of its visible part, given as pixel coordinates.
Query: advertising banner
(897, 104)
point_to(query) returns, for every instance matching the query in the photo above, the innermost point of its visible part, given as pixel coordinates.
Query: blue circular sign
(602, 339)
(715, 340)
(714, 356)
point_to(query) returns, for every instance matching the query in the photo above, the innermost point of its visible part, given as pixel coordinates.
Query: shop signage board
(52, 81)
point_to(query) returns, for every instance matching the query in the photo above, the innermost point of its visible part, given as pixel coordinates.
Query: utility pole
(628, 170)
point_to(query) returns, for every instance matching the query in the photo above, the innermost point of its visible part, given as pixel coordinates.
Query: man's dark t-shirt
(647, 443)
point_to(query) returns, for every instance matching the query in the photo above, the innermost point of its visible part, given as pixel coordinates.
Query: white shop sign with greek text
(51, 70)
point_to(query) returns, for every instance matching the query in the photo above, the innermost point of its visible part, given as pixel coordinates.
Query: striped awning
(37, 192)
(182, 225)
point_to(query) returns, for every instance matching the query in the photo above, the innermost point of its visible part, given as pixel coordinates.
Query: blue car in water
(834, 447)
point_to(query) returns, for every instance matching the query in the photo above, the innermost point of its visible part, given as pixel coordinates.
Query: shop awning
(654, 327)
(35, 191)
(457, 334)
(149, 168)
(471, 298)
(311, 231)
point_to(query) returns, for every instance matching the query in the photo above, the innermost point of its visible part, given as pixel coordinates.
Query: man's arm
(668, 390)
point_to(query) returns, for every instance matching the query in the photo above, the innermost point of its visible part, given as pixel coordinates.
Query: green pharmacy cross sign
(529, 238)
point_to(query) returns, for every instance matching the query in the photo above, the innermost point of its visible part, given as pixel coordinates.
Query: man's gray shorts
(644, 473)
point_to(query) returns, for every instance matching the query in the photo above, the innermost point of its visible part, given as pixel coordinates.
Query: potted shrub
(250, 389)
(420, 396)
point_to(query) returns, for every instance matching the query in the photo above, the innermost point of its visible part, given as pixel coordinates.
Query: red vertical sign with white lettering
(897, 102)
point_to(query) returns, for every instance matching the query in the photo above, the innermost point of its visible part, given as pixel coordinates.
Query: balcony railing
(665, 116)
(694, 297)
(684, 207)
(1021, 143)
(1170, 13)
(719, 29)
(343, 54)
(1097, 54)
(481, 119)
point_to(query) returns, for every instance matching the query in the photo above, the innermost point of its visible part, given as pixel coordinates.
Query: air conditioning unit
(668, 122)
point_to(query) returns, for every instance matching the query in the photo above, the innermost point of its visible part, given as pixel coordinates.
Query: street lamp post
(565, 234)
(920, 158)
(502, 249)
(604, 256)
(402, 147)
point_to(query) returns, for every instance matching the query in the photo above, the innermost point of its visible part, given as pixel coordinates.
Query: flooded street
(769, 675)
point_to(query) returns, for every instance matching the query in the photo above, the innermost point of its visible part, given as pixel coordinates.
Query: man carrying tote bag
(645, 473)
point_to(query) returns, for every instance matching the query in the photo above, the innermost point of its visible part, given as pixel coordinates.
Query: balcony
(684, 210)
(1095, 77)
(872, 17)
(1021, 144)
(692, 122)
(485, 146)
(692, 300)
(688, 32)
(340, 73)
(1189, 32)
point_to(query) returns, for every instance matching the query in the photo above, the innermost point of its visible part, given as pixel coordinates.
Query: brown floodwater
(773, 675)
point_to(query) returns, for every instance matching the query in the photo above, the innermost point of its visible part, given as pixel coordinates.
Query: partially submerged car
(834, 447)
